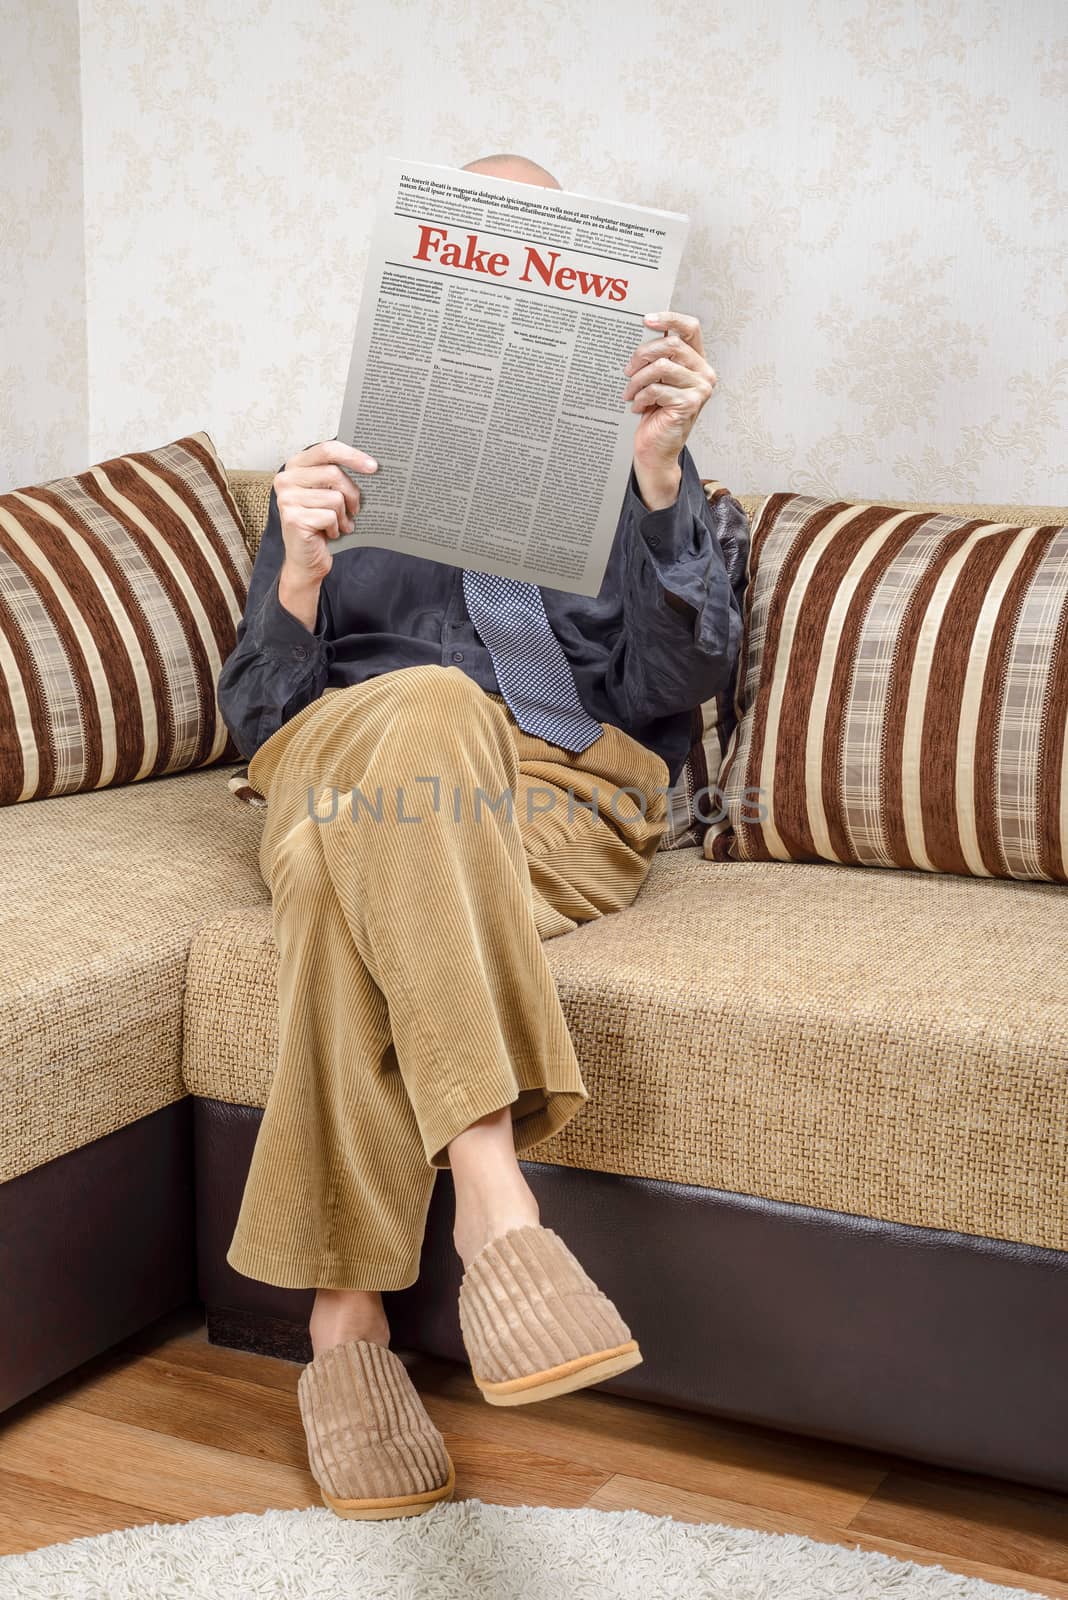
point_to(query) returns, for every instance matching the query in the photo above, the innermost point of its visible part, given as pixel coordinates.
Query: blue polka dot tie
(533, 674)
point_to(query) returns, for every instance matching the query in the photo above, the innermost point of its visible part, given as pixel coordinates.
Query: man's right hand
(317, 502)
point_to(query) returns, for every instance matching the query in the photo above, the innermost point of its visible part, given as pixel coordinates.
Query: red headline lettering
(540, 265)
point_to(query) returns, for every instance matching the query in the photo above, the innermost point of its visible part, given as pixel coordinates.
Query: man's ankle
(339, 1315)
(472, 1232)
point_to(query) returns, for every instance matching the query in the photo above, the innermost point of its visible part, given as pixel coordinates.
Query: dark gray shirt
(660, 637)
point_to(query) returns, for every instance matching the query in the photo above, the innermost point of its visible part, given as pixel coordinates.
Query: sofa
(821, 1172)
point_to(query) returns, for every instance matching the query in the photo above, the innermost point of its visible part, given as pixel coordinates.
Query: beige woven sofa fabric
(252, 495)
(101, 893)
(880, 1043)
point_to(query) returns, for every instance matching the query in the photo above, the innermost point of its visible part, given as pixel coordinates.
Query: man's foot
(535, 1324)
(372, 1447)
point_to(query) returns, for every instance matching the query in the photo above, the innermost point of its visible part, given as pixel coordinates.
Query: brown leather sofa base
(938, 1346)
(94, 1246)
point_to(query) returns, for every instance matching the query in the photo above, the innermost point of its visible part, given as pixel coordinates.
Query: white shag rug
(467, 1550)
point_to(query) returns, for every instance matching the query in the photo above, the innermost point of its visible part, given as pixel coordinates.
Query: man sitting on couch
(456, 767)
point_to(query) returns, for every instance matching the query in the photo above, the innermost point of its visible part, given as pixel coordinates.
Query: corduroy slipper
(372, 1447)
(534, 1323)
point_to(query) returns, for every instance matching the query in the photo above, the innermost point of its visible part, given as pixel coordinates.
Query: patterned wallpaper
(878, 192)
(43, 420)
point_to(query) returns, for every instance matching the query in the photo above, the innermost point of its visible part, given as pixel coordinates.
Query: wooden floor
(168, 1427)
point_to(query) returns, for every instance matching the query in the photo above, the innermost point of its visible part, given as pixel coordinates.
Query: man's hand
(670, 381)
(317, 502)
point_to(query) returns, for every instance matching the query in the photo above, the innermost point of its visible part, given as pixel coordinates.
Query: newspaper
(487, 376)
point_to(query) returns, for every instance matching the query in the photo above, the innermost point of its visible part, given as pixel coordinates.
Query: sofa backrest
(252, 491)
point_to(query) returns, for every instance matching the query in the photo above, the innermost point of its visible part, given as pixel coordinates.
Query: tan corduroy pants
(419, 847)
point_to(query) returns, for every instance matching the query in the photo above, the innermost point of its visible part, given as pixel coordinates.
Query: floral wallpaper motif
(43, 417)
(878, 193)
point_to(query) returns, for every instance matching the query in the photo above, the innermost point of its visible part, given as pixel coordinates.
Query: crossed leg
(419, 1025)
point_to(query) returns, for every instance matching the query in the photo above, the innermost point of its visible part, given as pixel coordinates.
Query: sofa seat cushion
(102, 891)
(883, 1043)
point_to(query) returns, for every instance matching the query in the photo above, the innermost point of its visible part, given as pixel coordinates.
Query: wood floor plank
(135, 1466)
(501, 1475)
(198, 1354)
(210, 1408)
(1011, 1525)
(35, 1513)
(622, 1493)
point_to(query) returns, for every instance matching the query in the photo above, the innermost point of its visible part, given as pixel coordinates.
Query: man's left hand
(670, 382)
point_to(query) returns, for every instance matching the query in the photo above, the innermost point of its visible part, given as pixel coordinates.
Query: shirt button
(299, 652)
(457, 655)
(654, 540)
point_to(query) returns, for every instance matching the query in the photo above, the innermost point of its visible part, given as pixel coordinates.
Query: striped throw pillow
(120, 594)
(904, 697)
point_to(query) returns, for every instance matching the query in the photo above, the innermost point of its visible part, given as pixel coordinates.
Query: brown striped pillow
(904, 696)
(120, 594)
